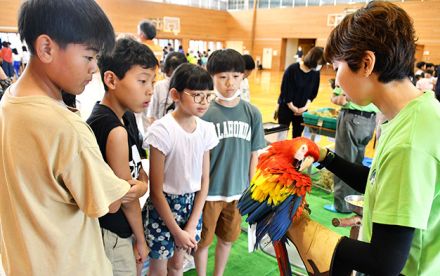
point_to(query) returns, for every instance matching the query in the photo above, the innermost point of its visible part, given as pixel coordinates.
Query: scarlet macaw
(276, 195)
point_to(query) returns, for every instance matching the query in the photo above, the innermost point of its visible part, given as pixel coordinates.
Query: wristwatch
(329, 156)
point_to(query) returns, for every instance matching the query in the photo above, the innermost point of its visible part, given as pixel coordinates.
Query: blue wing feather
(283, 216)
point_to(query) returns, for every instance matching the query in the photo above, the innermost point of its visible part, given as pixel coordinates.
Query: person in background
(146, 34)
(430, 66)
(299, 54)
(6, 57)
(427, 81)
(179, 171)
(354, 130)
(299, 88)
(249, 66)
(171, 48)
(165, 52)
(17, 61)
(240, 131)
(25, 56)
(180, 50)
(55, 185)
(421, 67)
(191, 58)
(162, 102)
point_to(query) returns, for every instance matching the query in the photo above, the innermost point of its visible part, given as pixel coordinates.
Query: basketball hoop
(333, 19)
(171, 25)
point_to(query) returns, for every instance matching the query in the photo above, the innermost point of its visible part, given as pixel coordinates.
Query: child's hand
(192, 233)
(184, 240)
(138, 189)
(140, 251)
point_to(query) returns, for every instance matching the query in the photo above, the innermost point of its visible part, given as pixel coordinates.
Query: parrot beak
(306, 163)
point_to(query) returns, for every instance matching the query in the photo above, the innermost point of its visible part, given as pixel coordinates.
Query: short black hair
(148, 29)
(314, 57)
(382, 28)
(24, 48)
(66, 21)
(225, 60)
(14, 51)
(420, 64)
(5, 44)
(172, 61)
(126, 54)
(191, 76)
(249, 63)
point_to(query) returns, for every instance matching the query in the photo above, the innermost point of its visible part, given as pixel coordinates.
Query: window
(314, 3)
(286, 3)
(275, 3)
(263, 4)
(300, 3)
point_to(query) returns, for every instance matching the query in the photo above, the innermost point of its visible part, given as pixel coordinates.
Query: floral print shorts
(158, 237)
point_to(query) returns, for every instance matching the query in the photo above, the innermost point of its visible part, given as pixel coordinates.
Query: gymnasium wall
(311, 22)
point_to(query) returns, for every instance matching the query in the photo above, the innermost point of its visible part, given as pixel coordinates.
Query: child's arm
(157, 164)
(253, 164)
(199, 200)
(117, 157)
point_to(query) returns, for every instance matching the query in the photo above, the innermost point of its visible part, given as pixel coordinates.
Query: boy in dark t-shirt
(128, 74)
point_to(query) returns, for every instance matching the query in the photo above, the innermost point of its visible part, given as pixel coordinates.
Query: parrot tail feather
(282, 258)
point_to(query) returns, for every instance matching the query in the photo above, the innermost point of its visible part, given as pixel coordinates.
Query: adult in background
(6, 57)
(354, 130)
(299, 88)
(146, 33)
(299, 54)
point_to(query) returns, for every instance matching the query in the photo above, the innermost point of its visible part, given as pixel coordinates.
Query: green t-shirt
(240, 132)
(350, 105)
(404, 182)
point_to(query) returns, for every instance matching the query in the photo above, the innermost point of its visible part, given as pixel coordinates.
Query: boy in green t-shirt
(240, 131)
(372, 51)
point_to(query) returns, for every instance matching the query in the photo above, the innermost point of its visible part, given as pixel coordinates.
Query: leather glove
(315, 243)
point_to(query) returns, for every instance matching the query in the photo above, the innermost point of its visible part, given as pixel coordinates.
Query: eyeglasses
(200, 97)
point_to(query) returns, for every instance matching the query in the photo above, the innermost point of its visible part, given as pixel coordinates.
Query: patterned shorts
(159, 238)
